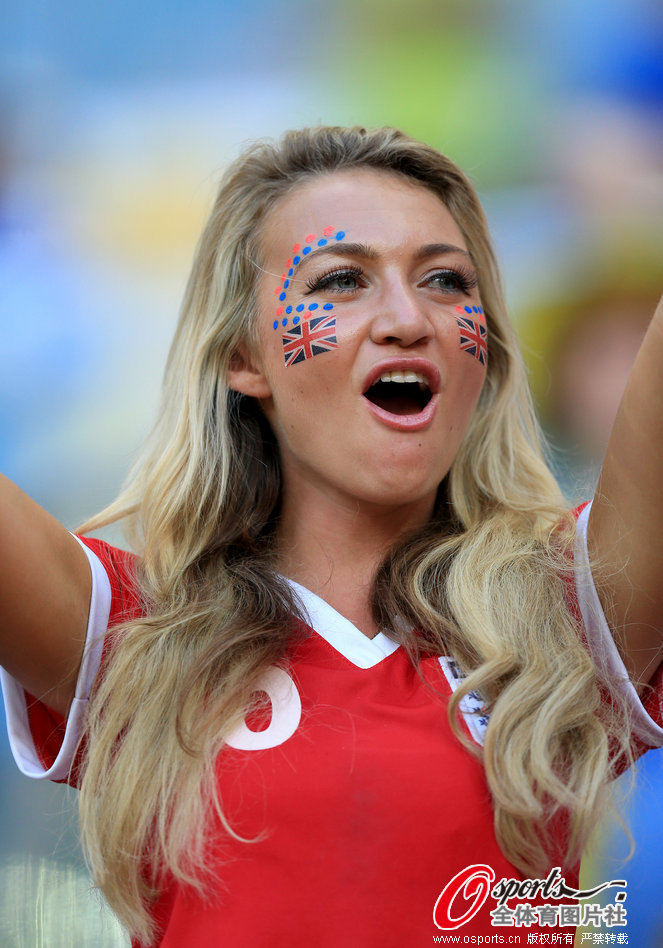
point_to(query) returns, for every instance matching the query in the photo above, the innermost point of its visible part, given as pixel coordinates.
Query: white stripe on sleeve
(18, 728)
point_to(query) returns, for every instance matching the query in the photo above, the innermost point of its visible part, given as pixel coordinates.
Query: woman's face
(372, 340)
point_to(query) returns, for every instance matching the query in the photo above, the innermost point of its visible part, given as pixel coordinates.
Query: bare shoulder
(45, 586)
(625, 531)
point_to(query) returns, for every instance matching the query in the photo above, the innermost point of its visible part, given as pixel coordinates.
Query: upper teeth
(405, 377)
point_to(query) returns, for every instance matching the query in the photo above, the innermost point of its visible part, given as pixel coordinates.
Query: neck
(336, 548)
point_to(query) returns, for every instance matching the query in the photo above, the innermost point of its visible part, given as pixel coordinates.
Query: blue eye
(342, 280)
(456, 280)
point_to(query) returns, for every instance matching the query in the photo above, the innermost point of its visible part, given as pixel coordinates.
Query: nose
(400, 317)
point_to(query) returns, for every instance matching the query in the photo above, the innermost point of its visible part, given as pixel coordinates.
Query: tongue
(400, 404)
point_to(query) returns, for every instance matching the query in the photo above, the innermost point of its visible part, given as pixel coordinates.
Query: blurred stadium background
(117, 120)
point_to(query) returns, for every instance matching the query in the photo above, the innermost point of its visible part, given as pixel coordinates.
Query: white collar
(340, 633)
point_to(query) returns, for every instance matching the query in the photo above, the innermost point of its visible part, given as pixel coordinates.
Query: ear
(245, 375)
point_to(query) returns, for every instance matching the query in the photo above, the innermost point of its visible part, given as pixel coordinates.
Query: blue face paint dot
(281, 296)
(475, 309)
(296, 260)
(468, 309)
(286, 284)
(284, 322)
(288, 309)
(313, 306)
(479, 309)
(290, 272)
(328, 306)
(295, 320)
(322, 242)
(276, 324)
(301, 308)
(306, 250)
(340, 235)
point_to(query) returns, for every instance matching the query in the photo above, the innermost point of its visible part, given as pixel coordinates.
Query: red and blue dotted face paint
(470, 312)
(473, 332)
(309, 333)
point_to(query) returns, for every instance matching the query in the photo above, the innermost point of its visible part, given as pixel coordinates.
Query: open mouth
(400, 393)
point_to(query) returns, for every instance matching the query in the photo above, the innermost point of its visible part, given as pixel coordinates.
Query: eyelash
(466, 278)
(324, 281)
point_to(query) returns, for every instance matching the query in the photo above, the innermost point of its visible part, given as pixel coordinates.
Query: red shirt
(362, 803)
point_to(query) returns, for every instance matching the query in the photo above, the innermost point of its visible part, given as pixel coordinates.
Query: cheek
(466, 348)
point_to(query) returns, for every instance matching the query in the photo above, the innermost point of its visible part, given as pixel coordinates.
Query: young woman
(358, 648)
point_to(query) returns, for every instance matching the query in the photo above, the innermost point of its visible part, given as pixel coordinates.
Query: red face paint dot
(459, 309)
(282, 277)
(288, 264)
(296, 248)
(277, 291)
(310, 238)
(279, 311)
(328, 231)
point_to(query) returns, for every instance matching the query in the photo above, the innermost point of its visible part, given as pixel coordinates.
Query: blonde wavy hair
(486, 580)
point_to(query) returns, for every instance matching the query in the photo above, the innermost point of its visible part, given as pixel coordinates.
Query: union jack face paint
(315, 335)
(473, 338)
(308, 333)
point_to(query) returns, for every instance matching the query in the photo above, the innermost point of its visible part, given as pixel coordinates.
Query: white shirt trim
(340, 633)
(18, 727)
(600, 641)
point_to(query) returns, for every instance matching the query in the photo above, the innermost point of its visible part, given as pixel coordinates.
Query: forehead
(380, 208)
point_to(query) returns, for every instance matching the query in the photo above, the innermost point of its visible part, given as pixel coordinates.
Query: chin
(406, 478)
(399, 494)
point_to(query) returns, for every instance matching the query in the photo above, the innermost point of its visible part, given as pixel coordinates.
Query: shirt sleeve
(31, 756)
(601, 643)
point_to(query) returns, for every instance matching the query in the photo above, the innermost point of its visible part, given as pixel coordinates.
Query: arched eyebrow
(342, 250)
(369, 253)
(434, 250)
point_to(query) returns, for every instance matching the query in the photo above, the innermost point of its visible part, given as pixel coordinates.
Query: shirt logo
(471, 706)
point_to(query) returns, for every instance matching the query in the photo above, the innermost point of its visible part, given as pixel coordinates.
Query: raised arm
(625, 530)
(44, 599)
